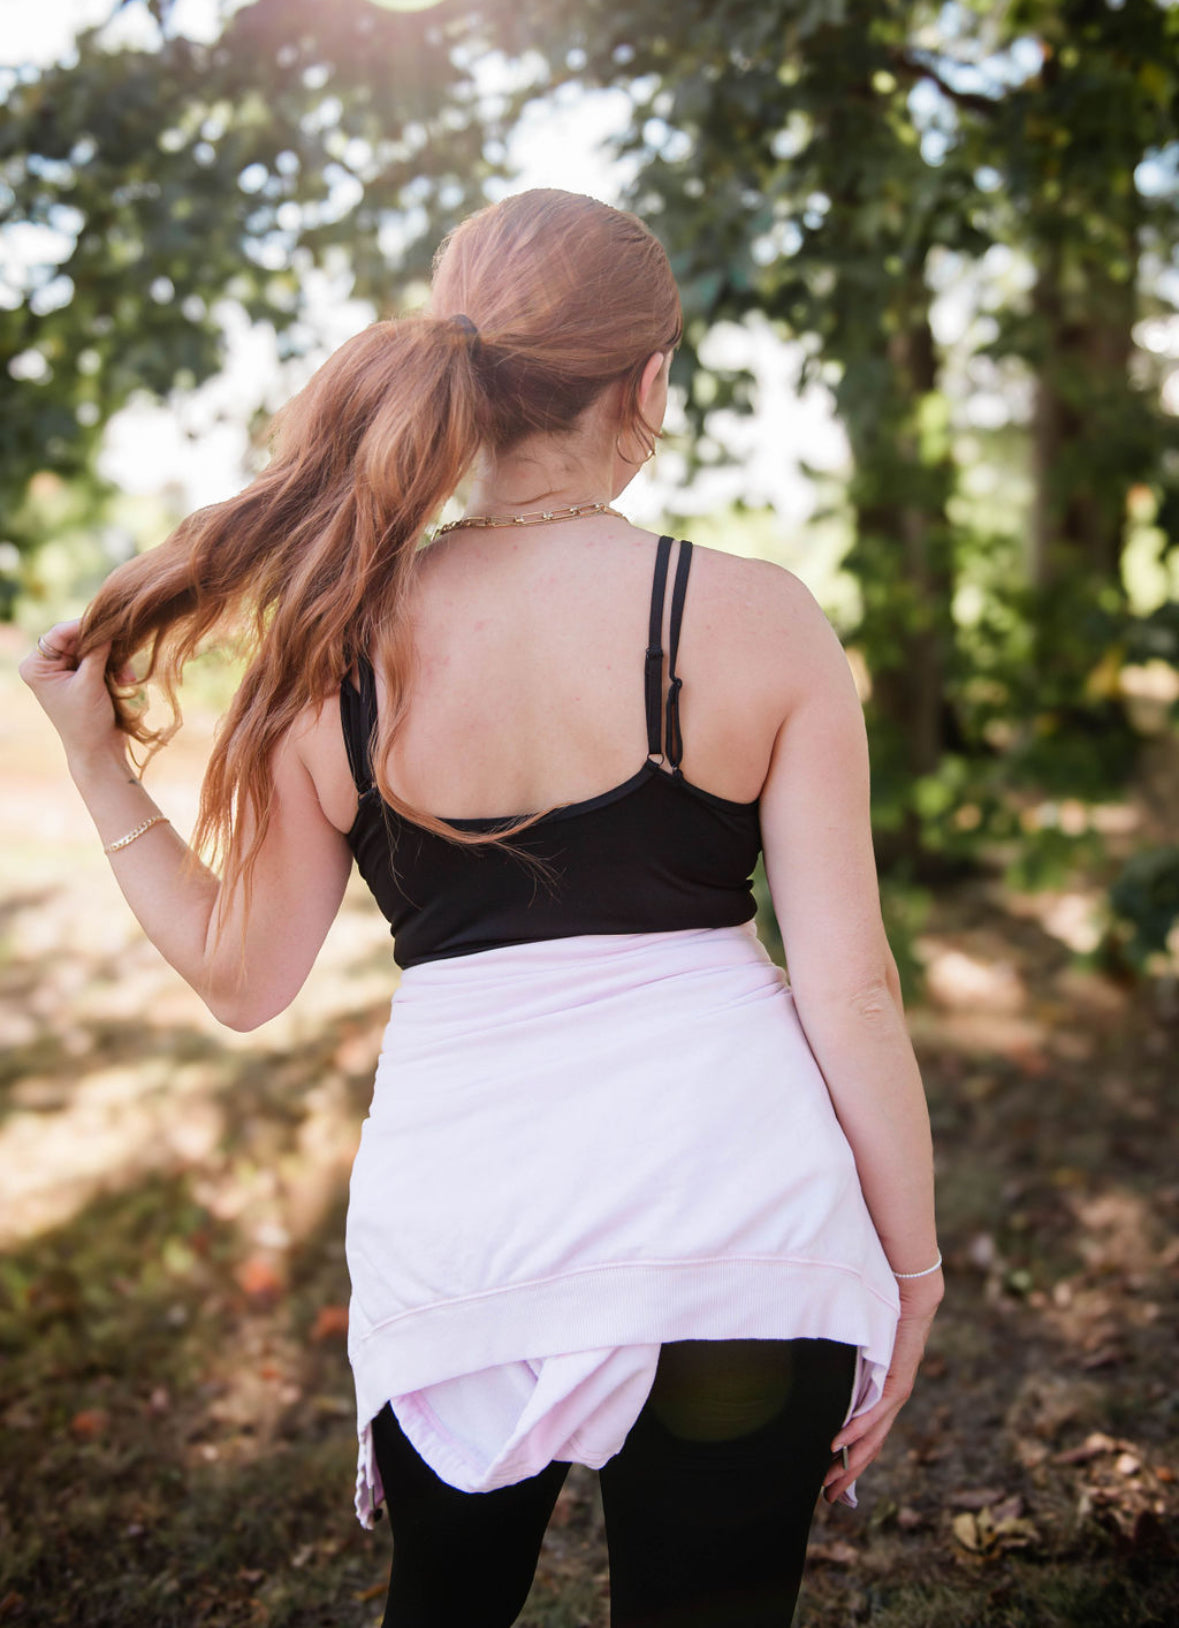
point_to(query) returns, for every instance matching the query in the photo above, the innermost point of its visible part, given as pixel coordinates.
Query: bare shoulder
(305, 733)
(769, 612)
(767, 596)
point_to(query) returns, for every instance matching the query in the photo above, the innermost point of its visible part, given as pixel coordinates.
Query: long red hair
(313, 562)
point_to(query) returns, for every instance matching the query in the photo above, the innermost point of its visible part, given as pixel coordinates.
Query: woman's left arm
(299, 880)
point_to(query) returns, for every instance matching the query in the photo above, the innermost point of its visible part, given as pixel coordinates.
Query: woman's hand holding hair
(73, 693)
(865, 1435)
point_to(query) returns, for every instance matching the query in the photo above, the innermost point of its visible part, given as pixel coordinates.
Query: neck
(535, 478)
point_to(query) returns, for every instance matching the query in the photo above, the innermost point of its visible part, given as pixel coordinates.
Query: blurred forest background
(929, 257)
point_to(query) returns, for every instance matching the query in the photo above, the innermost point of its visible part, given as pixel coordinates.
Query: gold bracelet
(113, 847)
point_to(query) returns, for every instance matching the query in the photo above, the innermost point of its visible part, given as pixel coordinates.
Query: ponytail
(306, 567)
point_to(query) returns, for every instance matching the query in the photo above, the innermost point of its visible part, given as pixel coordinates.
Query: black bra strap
(358, 712)
(653, 671)
(675, 740)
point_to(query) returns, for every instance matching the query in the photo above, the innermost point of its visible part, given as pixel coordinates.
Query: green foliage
(161, 182)
(818, 163)
(1145, 899)
(1049, 856)
(1155, 637)
(76, 530)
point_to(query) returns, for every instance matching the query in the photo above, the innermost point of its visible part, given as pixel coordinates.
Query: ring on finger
(843, 1455)
(48, 649)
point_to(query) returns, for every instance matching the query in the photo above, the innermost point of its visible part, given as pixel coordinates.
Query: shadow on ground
(178, 1442)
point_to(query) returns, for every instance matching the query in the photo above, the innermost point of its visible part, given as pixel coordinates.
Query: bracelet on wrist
(122, 842)
(928, 1272)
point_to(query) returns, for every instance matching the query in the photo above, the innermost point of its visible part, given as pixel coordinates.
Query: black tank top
(652, 854)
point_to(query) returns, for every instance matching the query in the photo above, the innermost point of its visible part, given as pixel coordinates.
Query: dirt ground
(176, 1417)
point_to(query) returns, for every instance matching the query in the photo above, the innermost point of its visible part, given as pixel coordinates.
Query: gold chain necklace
(574, 512)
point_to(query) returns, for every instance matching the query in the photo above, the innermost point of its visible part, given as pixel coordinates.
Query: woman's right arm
(820, 864)
(255, 965)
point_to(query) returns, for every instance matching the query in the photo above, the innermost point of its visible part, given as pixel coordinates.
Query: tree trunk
(902, 558)
(1078, 504)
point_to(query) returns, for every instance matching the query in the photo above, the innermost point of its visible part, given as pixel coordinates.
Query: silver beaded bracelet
(928, 1270)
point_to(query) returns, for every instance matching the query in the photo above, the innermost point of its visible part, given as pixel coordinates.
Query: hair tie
(464, 324)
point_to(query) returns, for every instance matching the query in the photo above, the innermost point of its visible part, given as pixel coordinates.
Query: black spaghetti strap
(653, 671)
(675, 739)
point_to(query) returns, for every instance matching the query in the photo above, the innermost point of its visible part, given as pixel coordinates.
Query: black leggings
(707, 1505)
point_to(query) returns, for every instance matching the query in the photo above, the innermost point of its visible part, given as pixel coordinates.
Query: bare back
(528, 690)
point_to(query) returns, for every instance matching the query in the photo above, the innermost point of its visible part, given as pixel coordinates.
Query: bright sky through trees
(196, 443)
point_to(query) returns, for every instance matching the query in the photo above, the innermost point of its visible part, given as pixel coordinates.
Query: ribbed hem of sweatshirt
(622, 1303)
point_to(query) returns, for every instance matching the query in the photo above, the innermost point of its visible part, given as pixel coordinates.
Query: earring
(650, 453)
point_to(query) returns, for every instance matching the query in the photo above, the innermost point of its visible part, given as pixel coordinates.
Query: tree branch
(913, 69)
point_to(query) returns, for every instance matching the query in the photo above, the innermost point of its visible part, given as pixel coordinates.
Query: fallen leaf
(965, 1529)
(1014, 1533)
(1127, 1464)
(89, 1423)
(1093, 1445)
(983, 1534)
(1009, 1510)
(259, 1278)
(331, 1322)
